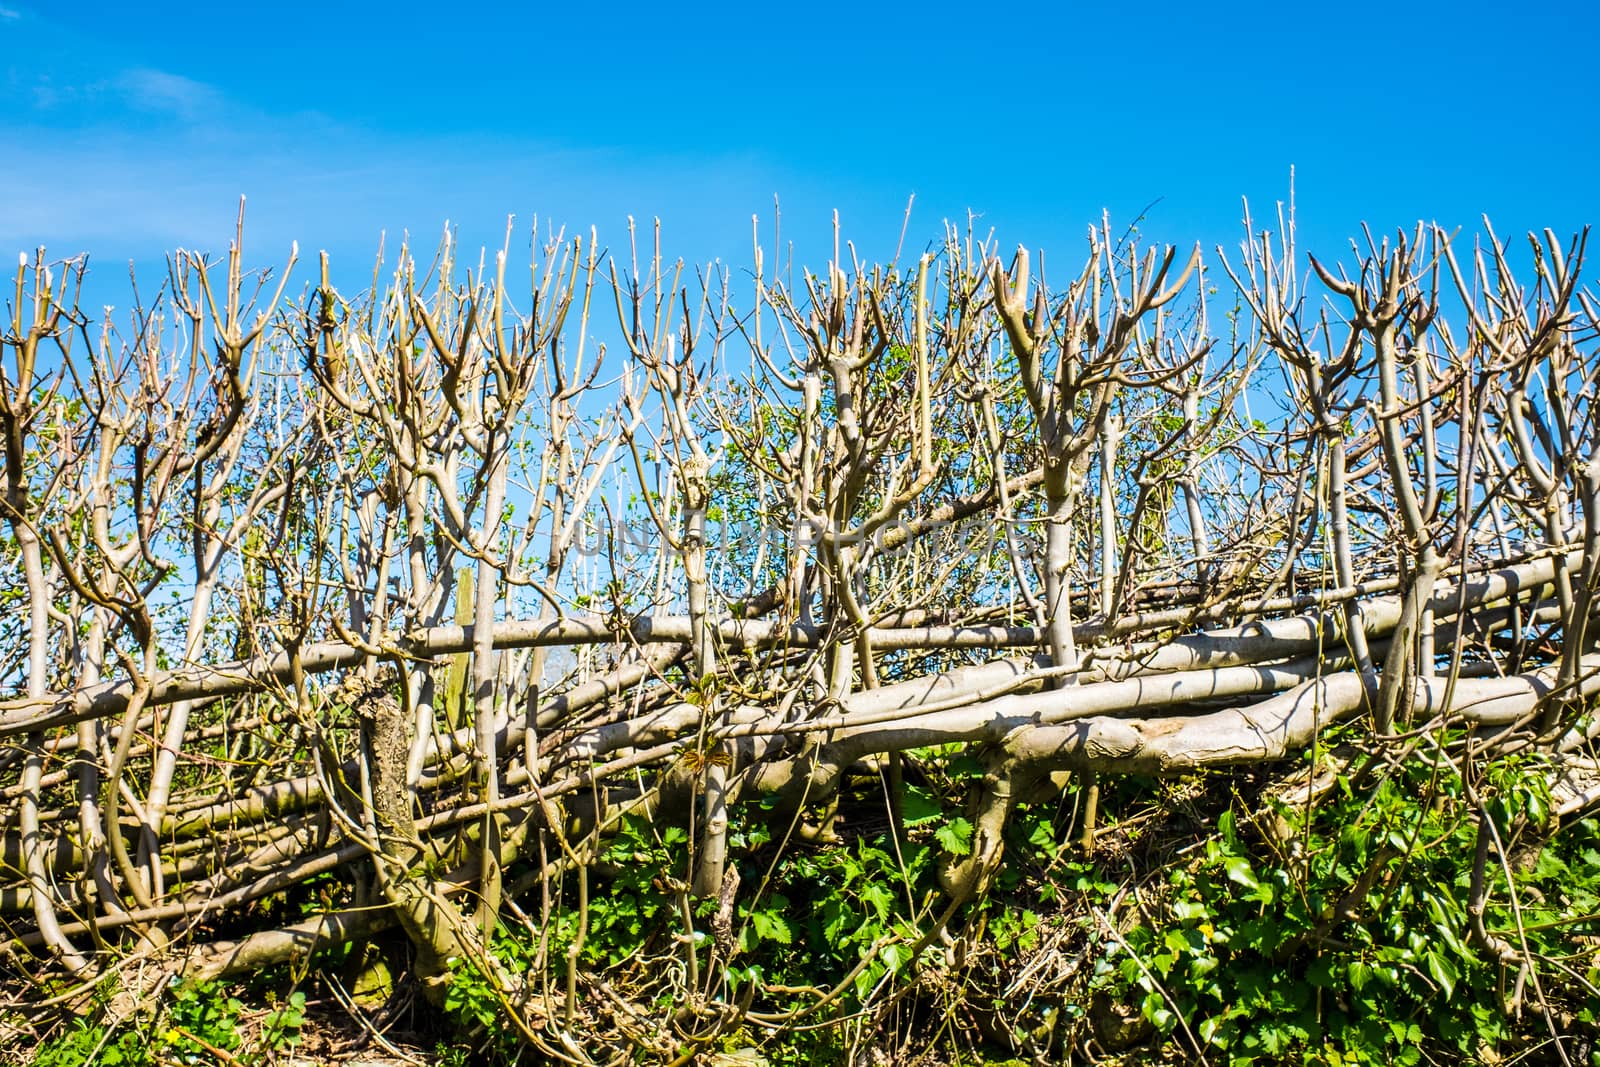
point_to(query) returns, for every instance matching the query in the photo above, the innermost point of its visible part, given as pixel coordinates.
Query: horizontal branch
(1274, 728)
(202, 681)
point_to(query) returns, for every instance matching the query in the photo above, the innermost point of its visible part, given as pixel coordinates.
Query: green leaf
(866, 978)
(1239, 871)
(918, 807)
(1154, 1008)
(1227, 828)
(772, 927)
(740, 976)
(1443, 972)
(879, 899)
(1183, 941)
(895, 956)
(955, 836)
(1323, 973)
(1042, 836)
(1550, 865)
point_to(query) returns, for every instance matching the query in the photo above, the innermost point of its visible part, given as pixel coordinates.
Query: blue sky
(127, 129)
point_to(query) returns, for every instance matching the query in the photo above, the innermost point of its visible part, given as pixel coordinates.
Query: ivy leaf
(1443, 972)
(1239, 871)
(1228, 831)
(1043, 837)
(1154, 1008)
(1181, 942)
(1211, 1031)
(866, 978)
(955, 836)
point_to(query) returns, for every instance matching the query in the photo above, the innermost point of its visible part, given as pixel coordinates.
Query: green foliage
(193, 1023)
(1343, 940)
(864, 907)
(200, 1018)
(1353, 946)
(476, 1005)
(955, 837)
(88, 1043)
(281, 1028)
(636, 909)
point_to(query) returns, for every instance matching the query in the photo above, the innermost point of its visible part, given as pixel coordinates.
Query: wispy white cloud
(89, 98)
(128, 159)
(124, 193)
(167, 93)
(61, 77)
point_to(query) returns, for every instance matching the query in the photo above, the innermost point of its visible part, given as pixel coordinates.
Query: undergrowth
(1208, 922)
(187, 1023)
